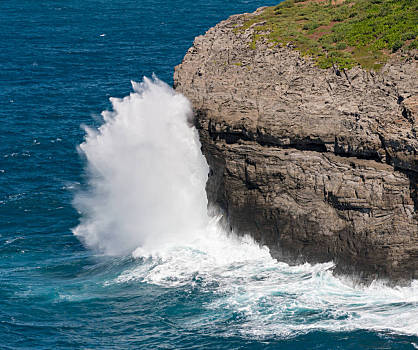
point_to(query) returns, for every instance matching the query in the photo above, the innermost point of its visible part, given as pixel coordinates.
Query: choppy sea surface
(105, 241)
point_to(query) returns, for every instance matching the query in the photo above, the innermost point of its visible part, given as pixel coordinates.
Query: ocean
(105, 239)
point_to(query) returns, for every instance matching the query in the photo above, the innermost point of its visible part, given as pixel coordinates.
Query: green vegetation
(342, 33)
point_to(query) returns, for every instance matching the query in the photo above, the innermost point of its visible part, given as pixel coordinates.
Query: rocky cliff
(319, 164)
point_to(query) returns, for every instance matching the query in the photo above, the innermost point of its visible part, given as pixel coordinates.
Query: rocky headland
(319, 163)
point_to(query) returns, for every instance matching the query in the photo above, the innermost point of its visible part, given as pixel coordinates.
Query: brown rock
(317, 164)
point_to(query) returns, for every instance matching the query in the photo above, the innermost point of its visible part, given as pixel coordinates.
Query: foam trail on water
(146, 173)
(268, 298)
(147, 197)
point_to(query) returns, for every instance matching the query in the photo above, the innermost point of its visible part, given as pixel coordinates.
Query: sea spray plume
(146, 173)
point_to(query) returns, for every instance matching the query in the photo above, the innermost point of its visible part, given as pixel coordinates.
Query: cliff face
(318, 164)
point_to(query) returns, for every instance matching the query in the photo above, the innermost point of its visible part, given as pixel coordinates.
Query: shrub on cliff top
(342, 33)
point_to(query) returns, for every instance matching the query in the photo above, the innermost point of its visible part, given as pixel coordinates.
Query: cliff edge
(317, 163)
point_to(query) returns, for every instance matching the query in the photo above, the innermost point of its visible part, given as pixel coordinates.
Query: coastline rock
(317, 164)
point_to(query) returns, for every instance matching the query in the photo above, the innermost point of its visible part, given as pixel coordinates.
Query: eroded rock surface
(317, 164)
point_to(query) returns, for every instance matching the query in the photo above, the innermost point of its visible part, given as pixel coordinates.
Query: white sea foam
(271, 297)
(147, 197)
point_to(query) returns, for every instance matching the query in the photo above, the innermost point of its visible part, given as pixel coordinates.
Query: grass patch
(342, 33)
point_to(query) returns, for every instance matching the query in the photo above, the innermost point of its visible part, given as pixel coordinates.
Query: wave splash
(147, 197)
(146, 173)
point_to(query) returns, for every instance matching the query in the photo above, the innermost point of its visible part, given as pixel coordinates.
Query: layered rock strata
(318, 164)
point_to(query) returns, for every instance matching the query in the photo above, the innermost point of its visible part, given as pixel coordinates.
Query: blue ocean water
(60, 61)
